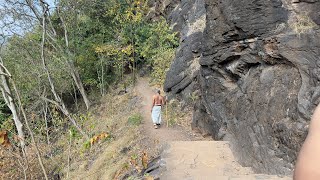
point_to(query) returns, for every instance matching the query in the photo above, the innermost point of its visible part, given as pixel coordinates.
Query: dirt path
(187, 157)
(163, 134)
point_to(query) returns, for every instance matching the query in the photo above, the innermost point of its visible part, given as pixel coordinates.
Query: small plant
(135, 119)
(86, 145)
(84, 118)
(74, 133)
(303, 24)
(193, 96)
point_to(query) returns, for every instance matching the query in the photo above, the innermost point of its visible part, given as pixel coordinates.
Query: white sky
(16, 28)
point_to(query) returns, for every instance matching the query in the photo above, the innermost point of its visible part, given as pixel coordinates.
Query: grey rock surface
(256, 67)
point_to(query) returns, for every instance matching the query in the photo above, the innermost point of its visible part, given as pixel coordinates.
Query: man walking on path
(157, 103)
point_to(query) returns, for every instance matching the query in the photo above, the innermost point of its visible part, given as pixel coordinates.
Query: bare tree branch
(58, 101)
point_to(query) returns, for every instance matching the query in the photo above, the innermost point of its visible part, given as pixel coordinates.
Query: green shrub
(135, 119)
(161, 64)
(86, 145)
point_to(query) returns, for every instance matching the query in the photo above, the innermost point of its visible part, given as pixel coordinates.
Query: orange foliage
(4, 140)
(98, 138)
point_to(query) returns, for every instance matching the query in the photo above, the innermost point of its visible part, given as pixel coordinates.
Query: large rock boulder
(256, 67)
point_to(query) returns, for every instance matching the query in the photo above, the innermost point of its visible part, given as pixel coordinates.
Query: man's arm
(153, 101)
(163, 101)
(308, 163)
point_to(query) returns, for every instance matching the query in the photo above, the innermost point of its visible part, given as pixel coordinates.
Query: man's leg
(153, 117)
(156, 113)
(159, 118)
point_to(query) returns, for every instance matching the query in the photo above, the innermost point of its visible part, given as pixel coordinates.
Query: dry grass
(108, 158)
(178, 116)
(303, 24)
(105, 160)
(102, 160)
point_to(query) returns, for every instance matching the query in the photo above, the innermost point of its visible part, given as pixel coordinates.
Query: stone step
(243, 177)
(202, 160)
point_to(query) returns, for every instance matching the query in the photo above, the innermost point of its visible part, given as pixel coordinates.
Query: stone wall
(254, 66)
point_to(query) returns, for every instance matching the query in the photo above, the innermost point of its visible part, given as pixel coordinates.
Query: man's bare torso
(158, 100)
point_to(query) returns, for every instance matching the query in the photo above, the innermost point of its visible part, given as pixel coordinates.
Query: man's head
(158, 91)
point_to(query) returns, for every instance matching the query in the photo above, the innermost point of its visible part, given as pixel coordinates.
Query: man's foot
(155, 126)
(159, 125)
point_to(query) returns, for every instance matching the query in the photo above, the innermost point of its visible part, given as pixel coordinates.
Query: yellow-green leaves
(161, 64)
(113, 50)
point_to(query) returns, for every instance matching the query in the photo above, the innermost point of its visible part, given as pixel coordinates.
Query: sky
(50, 2)
(15, 28)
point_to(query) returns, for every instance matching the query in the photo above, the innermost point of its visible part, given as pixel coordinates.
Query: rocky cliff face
(253, 69)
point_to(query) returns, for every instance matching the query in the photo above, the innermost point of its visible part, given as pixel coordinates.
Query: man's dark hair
(158, 91)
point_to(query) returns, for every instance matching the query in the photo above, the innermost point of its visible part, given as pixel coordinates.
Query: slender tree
(10, 102)
(53, 40)
(58, 101)
(8, 96)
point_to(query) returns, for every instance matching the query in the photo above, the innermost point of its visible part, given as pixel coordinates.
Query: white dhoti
(156, 114)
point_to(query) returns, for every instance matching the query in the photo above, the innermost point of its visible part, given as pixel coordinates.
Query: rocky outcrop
(255, 68)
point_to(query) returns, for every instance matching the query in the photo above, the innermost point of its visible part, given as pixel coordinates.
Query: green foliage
(107, 39)
(4, 112)
(193, 97)
(161, 64)
(135, 119)
(154, 38)
(86, 145)
(8, 124)
(74, 133)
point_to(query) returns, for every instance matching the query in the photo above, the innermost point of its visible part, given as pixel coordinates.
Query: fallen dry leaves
(4, 140)
(98, 138)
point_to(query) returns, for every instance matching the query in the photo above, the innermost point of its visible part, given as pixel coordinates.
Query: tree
(9, 99)
(58, 101)
(53, 38)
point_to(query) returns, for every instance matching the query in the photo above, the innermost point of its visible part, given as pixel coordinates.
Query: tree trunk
(73, 70)
(45, 112)
(69, 152)
(76, 77)
(102, 77)
(58, 101)
(30, 131)
(75, 96)
(7, 95)
(62, 50)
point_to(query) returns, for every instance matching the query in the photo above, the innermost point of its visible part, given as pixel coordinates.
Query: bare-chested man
(157, 102)
(308, 164)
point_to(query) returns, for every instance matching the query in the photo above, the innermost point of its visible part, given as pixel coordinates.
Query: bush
(135, 119)
(161, 64)
(303, 24)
